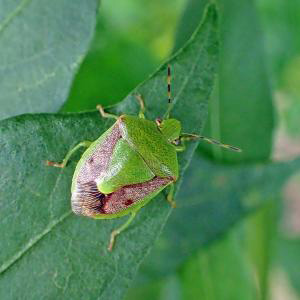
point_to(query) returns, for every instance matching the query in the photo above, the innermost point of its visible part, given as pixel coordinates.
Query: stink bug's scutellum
(128, 165)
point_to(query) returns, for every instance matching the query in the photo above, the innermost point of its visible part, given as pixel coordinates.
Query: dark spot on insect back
(128, 202)
(91, 160)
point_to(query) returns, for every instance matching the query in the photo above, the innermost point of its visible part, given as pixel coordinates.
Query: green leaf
(260, 233)
(221, 271)
(167, 289)
(210, 210)
(150, 292)
(104, 78)
(127, 47)
(214, 198)
(241, 111)
(42, 44)
(281, 20)
(47, 252)
(288, 259)
(189, 21)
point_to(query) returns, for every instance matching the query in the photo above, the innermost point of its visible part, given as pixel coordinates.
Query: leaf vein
(32, 242)
(13, 14)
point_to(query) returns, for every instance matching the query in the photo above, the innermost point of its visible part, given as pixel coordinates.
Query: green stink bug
(128, 165)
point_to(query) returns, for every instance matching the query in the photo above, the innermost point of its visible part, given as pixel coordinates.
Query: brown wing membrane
(131, 194)
(99, 160)
(88, 201)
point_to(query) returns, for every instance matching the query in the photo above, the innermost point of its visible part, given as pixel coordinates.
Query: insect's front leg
(69, 154)
(104, 114)
(141, 101)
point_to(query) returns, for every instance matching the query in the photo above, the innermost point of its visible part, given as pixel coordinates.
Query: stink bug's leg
(69, 154)
(180, 148)
(119, 230)
(142, 105)
(179, 145)
(105, 114)
(193, 137)
(170, 196)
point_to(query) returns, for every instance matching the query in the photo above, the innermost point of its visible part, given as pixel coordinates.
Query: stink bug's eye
(176, 142)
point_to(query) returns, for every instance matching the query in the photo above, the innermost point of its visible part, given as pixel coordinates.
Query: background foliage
(235, 232)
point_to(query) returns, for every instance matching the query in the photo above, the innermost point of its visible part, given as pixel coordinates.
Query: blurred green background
(236, 231)
(254, 254)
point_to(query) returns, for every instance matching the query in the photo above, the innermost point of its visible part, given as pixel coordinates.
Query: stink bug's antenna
(169, 84)
(169, 93)
(193, 137)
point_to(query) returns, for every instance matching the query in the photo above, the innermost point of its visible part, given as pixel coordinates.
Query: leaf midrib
(32, 242)
(13, 14)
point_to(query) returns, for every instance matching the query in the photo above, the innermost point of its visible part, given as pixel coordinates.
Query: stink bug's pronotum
(128, 165)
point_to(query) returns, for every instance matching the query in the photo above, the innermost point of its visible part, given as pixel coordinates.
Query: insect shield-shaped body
(124, 169)
(128, 165)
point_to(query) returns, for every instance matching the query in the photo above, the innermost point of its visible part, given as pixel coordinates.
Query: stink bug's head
(171, 129)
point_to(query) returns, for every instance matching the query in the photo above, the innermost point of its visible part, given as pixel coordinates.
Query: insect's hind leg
(69, 154)
(104, 114)
(119, 230)
(170, 196)
(141, 101)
